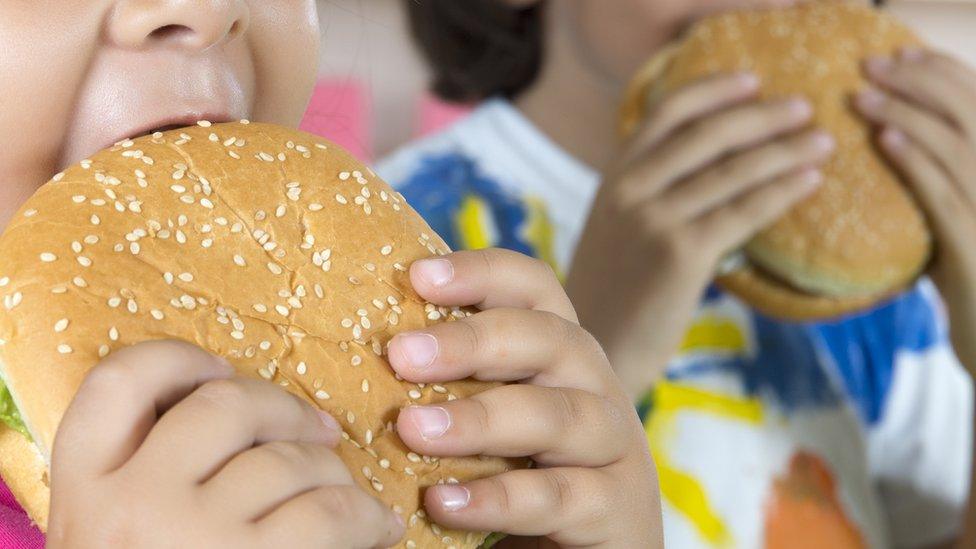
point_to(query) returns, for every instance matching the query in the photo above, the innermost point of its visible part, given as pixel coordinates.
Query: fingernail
(747, 80)
(870, 100)
(418, 350)
(453, 497)
(823, 141)
(436, 272)
(431, 421)
(879, 65)
(893, 138)
(912, 53)
(799, 107)
(329, 421)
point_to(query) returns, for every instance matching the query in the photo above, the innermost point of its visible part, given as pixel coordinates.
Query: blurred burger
(861, 237)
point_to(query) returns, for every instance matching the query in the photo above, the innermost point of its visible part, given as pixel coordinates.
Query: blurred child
(851, 433)
(79, 75)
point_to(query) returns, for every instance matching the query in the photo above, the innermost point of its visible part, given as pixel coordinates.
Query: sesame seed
(186, 277)
(4, 281)
(386, 250)
(341, 199)
(214, 137)
(377, 485)
(30, 213)
(260, 308)
(439, 389)
(206, 203)
(237, 334)
(157, 314)
(315, 207)
(204, 124)
(321, 395)
(239, 261)
(61, 325)
(64, 349)
(369, 437)
(365, 386)
(265, 345)
(414, 394)
(48, 257)
(274, 268)
(113, 333)
(207, 242)
(132, 306)
(302, 368)
(282, 310)
(95, 220)
(350, 417)
(84, 261)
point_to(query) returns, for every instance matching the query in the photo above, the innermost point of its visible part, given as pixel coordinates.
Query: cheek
(285, 44)
(39, 80)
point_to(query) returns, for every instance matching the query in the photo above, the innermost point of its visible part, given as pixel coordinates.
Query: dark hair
(478, 48)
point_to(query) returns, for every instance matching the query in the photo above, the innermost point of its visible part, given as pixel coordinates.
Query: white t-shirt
(852, 433)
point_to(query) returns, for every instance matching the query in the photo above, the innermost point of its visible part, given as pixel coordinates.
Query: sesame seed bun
(264, 245)
(859, 238)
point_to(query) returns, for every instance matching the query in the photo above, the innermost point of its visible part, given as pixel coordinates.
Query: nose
(194, 25)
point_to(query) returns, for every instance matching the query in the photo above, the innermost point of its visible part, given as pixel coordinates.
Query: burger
(861, 237)
(269, 247)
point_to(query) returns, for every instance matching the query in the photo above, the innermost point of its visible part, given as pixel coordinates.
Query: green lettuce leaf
(9, 414)
(492, 540)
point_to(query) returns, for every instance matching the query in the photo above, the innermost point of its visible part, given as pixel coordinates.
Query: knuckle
(475, 335)
(504, 495)
(560, 489)
(571, 410)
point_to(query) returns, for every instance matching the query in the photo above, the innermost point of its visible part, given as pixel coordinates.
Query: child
(852, 433)
(78, 75)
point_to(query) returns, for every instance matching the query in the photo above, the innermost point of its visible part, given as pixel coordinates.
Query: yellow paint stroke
(473, 224)
(681, 490)
(540, 234)
(712, 333)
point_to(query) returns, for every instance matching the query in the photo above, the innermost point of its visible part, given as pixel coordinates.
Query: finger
(491, 278)
(259, 480)
(552, 426)
(334, 516)
(225, 417)
(743, 172)
(708, 140)
(925, 84)
(924, 128)
(567, 504)
(119, 400)
(691, 102)
(943, 200)
(734, 224)
(950, 66)
(504, 345)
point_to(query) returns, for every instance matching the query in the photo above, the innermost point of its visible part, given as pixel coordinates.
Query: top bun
(264, 245)
(861, 236)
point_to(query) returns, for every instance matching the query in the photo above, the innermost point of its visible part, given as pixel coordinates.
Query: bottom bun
(779, 300)
(25, 473)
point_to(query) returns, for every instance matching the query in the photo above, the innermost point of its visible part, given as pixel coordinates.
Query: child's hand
(925, 104)
(711, 168)
(163, 447)
(595, 483)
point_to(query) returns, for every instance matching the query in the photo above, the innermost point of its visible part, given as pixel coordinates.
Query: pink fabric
(16, 530)
(340, 112)
(435, 114)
